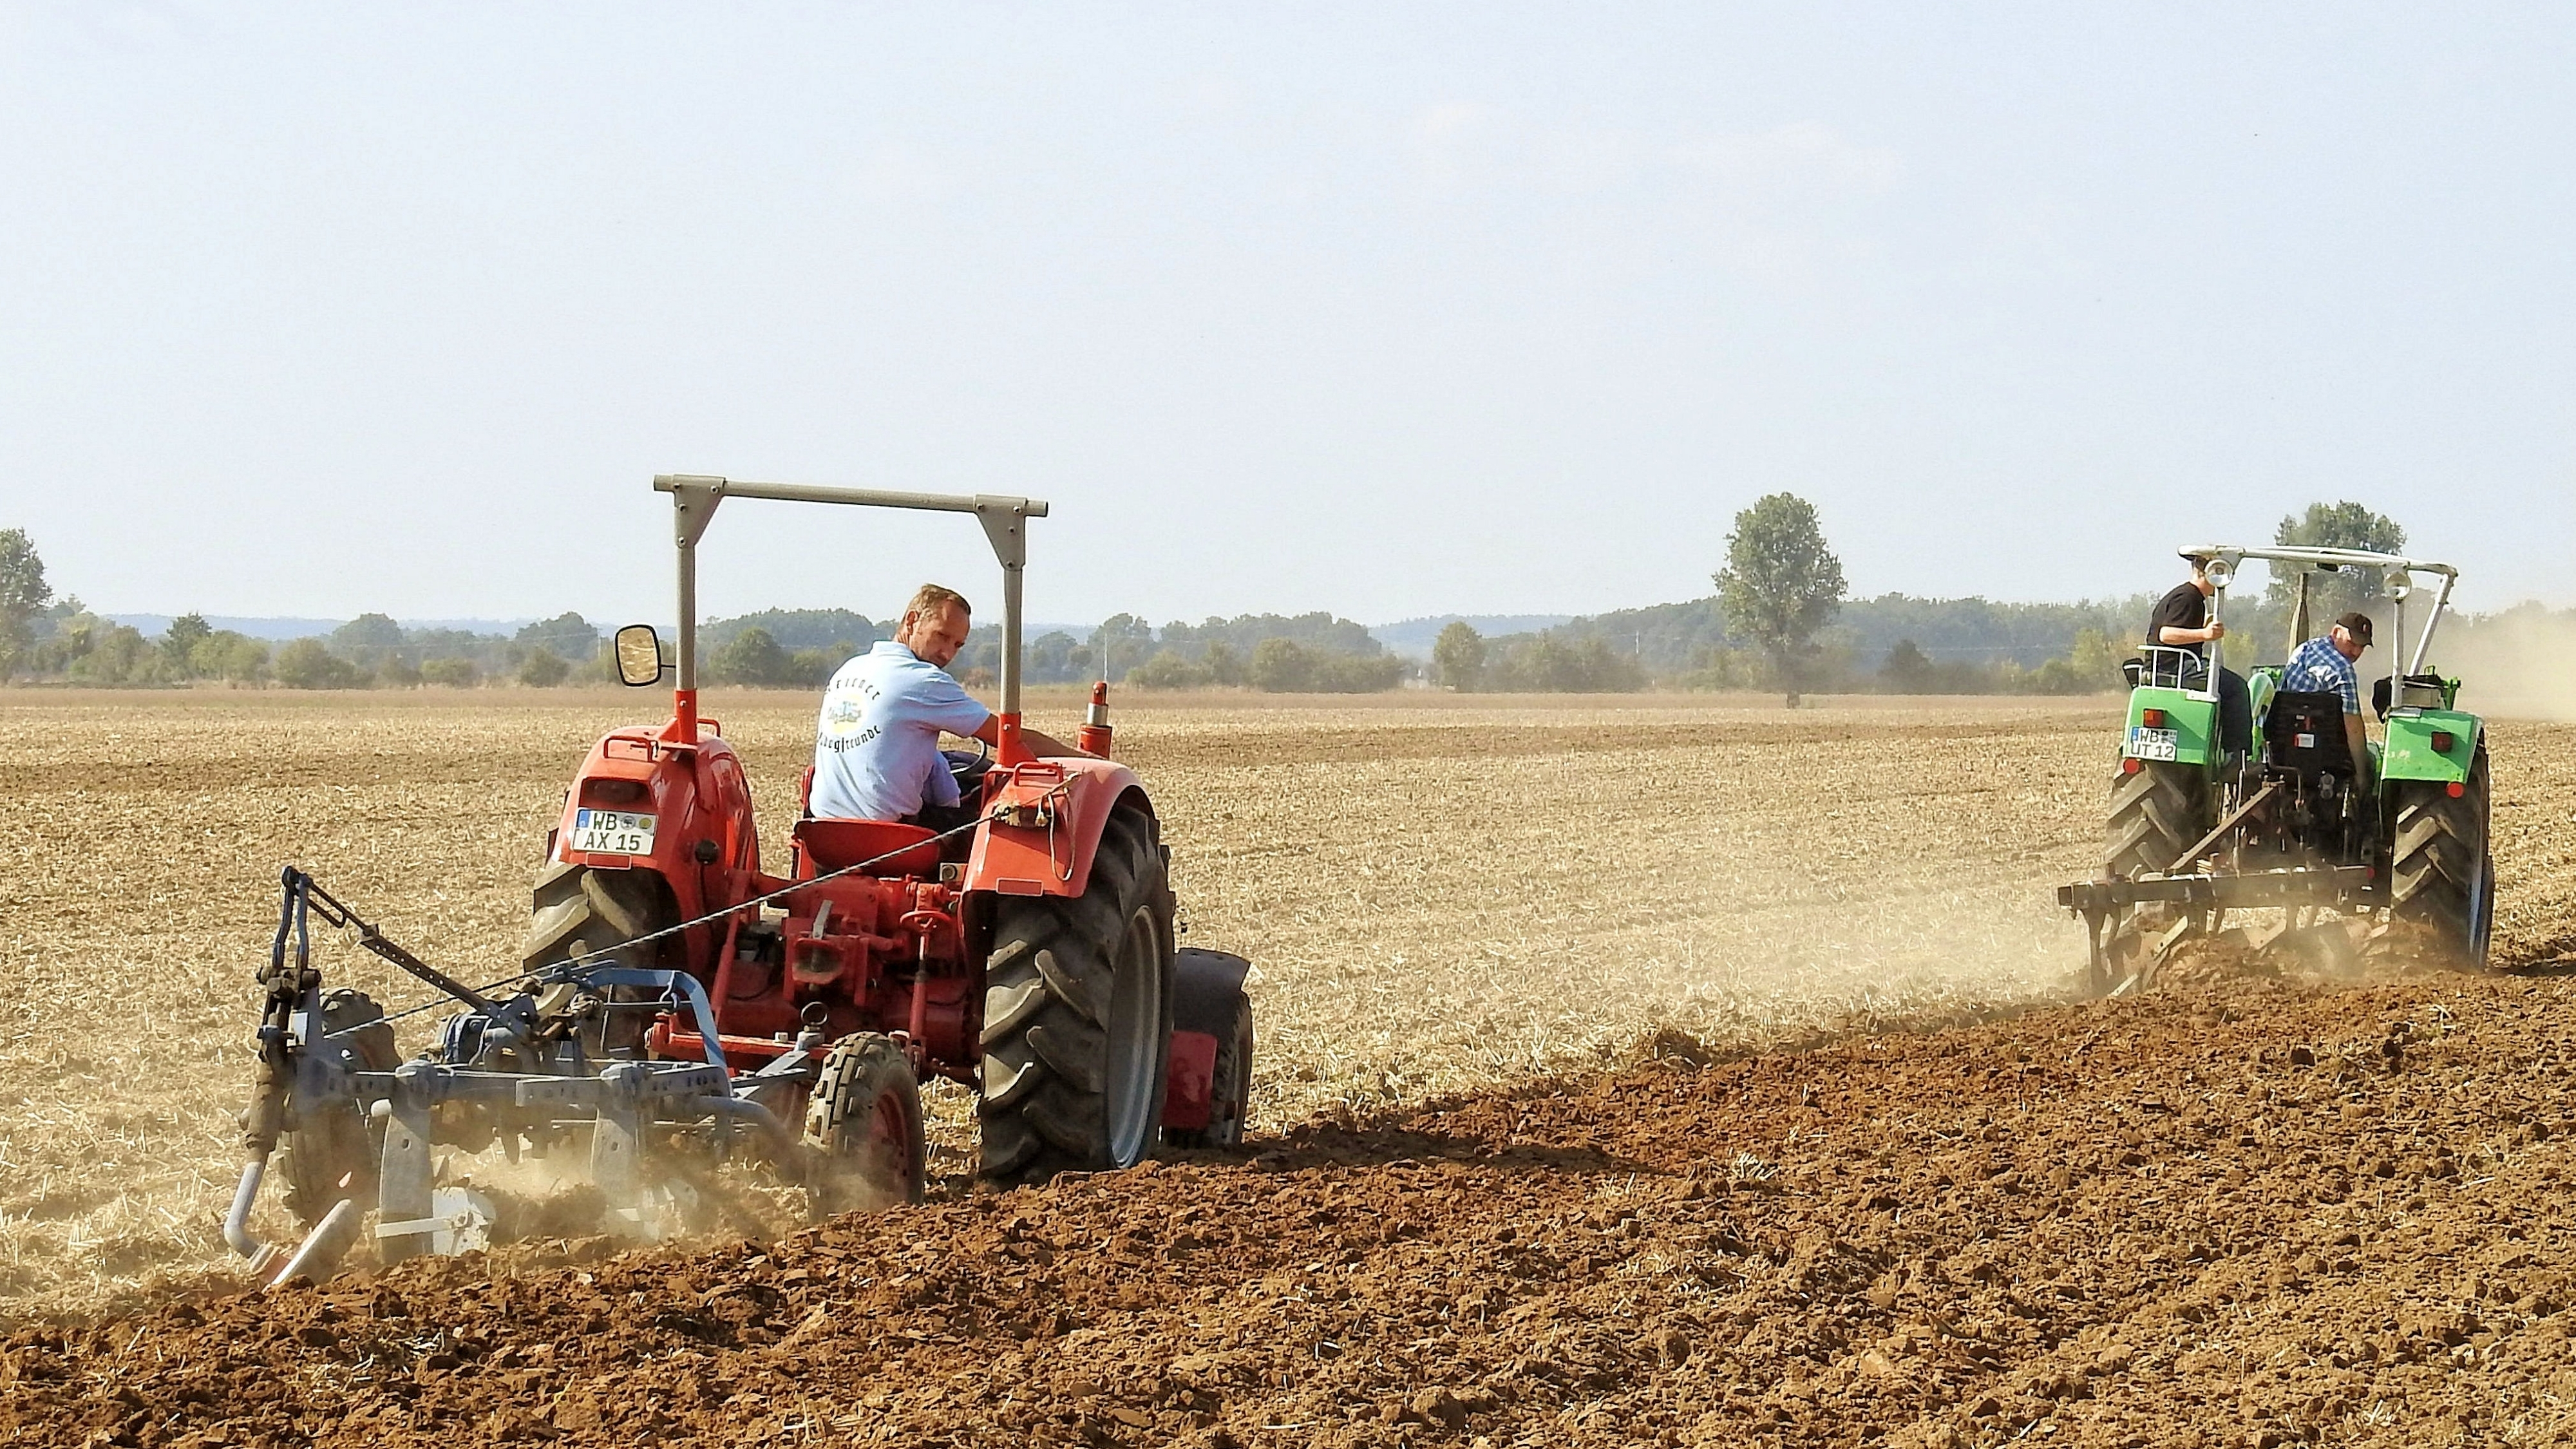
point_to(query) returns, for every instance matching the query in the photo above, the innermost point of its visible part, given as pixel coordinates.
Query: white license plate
(2151, 744)
(611, 832)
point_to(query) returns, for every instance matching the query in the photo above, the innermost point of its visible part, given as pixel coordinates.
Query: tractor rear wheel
(863, 1124)
(2441, 869)
(1077, 1017)
(332, 1153)
(581, 911)
(2156, 813)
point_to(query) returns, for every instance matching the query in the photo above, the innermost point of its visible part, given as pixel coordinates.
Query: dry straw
(1439, 895)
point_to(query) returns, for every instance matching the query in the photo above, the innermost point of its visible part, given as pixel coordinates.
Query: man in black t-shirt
(2181, 621)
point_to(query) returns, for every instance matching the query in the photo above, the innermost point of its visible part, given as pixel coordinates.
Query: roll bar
(694, 498)
(2397, 569)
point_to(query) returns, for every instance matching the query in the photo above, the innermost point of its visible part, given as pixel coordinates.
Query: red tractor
(677, 994)
(1029, 956)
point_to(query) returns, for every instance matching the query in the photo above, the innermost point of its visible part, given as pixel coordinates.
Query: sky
(1389, 310)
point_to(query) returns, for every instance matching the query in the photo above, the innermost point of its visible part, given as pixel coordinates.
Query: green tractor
(2398, 839)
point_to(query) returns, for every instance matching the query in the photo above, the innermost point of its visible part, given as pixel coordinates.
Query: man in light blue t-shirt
(876, 746)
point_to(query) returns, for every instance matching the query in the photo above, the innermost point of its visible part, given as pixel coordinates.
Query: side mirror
(2379, 696)
(639, 656)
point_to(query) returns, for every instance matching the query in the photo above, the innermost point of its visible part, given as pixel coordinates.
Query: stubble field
(1478, 1206)
(1437, 894)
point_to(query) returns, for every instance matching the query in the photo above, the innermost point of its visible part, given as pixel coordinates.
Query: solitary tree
(1458, 655)
(1780, 584)
(23, 592)
(2334, 525)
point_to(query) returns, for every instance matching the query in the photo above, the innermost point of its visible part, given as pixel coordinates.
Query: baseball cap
(2358, 623)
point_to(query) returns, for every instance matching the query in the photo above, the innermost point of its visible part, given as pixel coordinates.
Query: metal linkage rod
(337, 914)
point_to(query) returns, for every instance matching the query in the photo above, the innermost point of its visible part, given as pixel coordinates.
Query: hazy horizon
(1387, 312)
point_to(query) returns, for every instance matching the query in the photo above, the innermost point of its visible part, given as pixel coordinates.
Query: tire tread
(1048, 985)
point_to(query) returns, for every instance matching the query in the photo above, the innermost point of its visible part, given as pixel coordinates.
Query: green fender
(2411, 751)
(2193, 722)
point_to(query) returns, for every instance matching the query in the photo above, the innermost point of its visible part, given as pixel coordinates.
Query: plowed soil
(2245, 1209)
(2256, 1216)
(1436, 899)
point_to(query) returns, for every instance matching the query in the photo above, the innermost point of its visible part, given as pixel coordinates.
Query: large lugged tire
(863, 1125)
(1077, 1018)
(581, 911)
(2441, 870)
(330, 1145)
(2155, 815)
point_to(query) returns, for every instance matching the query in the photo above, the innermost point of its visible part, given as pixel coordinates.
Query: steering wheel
(965, 770)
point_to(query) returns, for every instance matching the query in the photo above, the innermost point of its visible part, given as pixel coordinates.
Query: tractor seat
(2304, 733)
(823, 846)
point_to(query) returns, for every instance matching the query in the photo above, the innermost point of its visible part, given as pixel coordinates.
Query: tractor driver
(2323, 665)
(2181, 621)
(876, 746)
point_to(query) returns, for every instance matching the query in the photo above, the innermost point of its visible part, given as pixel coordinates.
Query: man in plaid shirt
(2324, 666)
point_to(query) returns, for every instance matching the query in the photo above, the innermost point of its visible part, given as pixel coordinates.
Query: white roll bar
(694, 498)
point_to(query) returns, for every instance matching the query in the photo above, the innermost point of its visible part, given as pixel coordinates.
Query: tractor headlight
(2399, 584)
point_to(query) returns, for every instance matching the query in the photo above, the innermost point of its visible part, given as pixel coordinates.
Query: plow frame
(632, 1110)
(624, 1104)
(2204, 898)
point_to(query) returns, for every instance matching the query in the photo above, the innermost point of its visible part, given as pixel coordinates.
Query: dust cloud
(2520, 664)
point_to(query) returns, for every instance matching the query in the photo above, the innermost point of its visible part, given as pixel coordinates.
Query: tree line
(42, 637)
(1281, 654)
(1778, 621)
(69, 643)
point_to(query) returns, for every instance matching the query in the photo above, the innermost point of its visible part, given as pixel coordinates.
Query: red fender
(705, 842)
(1052, 813)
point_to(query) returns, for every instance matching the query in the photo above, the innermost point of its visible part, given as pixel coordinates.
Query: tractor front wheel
(584, 912)
(333, 1152)
(863, 1127)
(2441, 870)
(1077, 1017)
(1230, 1087)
